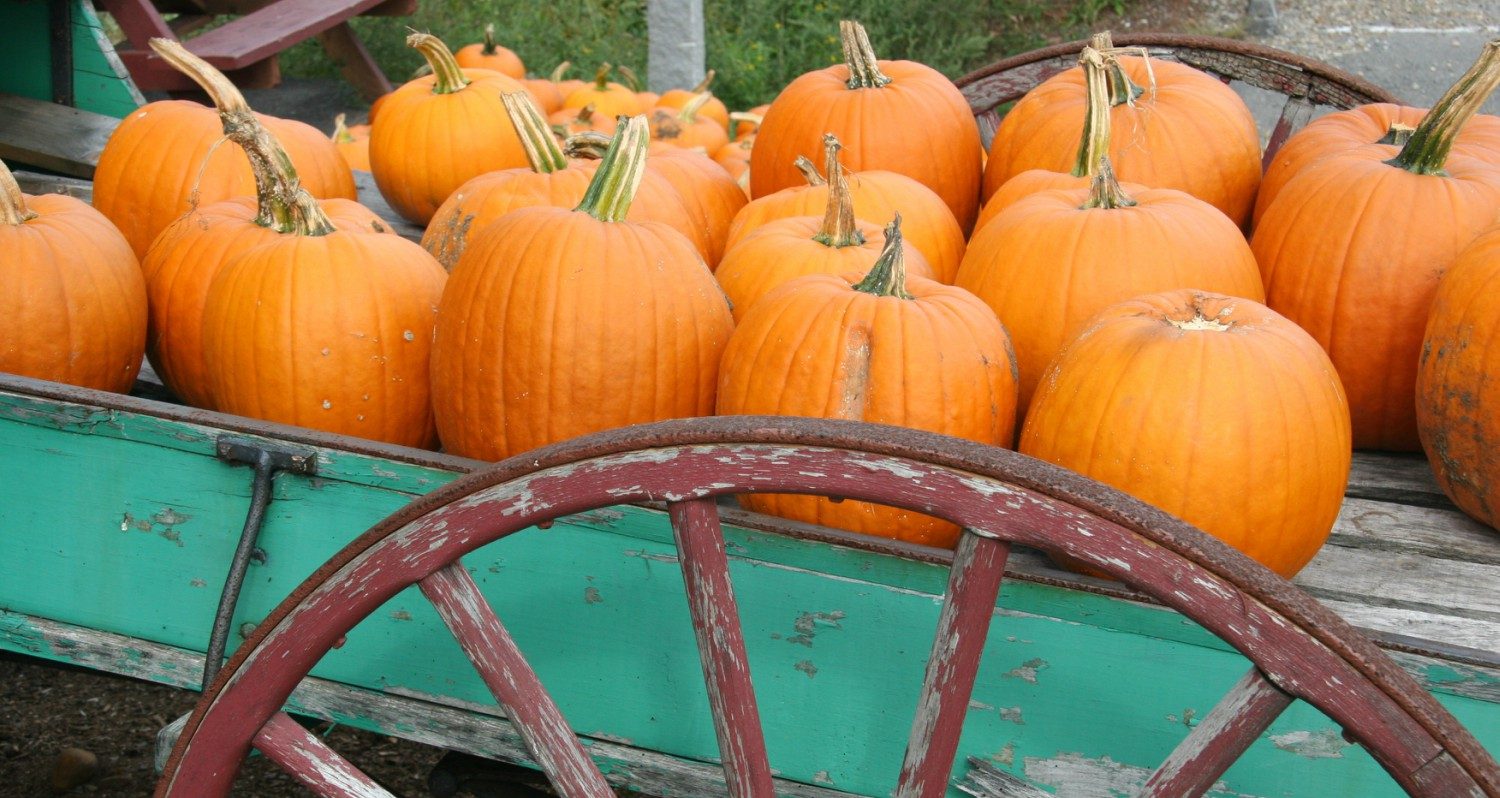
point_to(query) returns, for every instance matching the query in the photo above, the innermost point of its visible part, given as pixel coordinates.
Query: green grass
(756, 46)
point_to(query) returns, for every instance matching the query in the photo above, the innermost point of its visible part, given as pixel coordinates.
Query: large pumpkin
(439, 130)
(1353, 246)
(1052, 260)
(71, 292)
(1458, 381)
(785, 249)
(168, 155)
(876, 195)
(1187, 131)
(560, 322)
(899, 116)
(874, 347)
(1213, 408)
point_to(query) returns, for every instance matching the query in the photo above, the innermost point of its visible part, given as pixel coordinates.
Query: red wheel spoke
(514, 684)
(973, 586)
(310, 761)
(1220, 739)
(721, 647)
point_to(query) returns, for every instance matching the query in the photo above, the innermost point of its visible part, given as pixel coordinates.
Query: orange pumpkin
(685, 127)
(183, 262)
(1213, 408)
(1187, 131)
(569, 122)
(546, 92)
(927, 224)
(658, 198)
(1093, 145)
(489, 55)
(708, 192)
(353, 143)
(71, 292)
(784, 249)
(550, 179)
(735, 158)
(1379, 124)
(745, 124)
(559, 322)
(1457, 389)
(437, 131)
(899, 116)
(166, 155)
(1054, 259)
(875, 347)
(608, 98)
(1353, 246)
(713, 108)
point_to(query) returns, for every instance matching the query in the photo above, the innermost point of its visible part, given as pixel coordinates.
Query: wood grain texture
(312, 763)
(51, 136)
(1219, 740)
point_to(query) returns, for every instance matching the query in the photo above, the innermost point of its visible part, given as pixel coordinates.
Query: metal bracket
(266, 459)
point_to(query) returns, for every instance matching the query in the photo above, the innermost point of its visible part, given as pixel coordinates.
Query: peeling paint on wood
(1027, 670)
(1323, 744)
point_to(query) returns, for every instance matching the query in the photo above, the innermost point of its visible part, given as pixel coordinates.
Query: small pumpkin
(71, 292)
(1215, 409)
(569, 122)
(685, 127)
(1353, 246)
(353, 143)
(487, 54)
(784, 249)
(545, 91)
(877, 347)
(609, 99)
(876, 194)
(713, 108)
(735, 158)
(436, 132)
(561, 322)
(899, 116)
(1457, 385)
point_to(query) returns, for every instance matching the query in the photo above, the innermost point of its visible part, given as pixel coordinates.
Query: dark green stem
(601, 77)
(839, 228)
(888, 276)
(1426, 153)
(859, 56)
(1105, 191)
(449, 75)
(489, 39)
(613, 188)
(541, 147)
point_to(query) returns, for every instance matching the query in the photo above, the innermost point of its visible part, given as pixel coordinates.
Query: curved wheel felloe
(1300, 650)
(1305, 82)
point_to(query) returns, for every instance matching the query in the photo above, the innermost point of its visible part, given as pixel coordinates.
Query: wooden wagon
(690, 648)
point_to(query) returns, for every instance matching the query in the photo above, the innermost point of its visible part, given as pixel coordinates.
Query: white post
(676, 56)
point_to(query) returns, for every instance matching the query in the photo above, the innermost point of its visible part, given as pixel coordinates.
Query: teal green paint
(138, 521)
(26, 59)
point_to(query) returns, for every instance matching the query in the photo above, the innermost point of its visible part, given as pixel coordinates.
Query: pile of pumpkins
(596, 256)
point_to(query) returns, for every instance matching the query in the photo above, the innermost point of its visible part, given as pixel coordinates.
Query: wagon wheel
(1306, 82)
(1299, 648)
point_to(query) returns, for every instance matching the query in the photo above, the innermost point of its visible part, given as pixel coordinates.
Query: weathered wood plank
(311, 762)
(1217, 742)
(1439, 533)
(51, 136)
(1389, 477)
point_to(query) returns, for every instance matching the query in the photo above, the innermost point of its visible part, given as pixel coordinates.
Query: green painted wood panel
(124, 523)
(100, 83)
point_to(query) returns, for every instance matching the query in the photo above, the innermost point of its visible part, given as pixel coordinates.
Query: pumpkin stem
(1096, 123)
(632, 81)
(449, 75)
(489, 39)
(601, 77)
(1398, 135)
(283, 205)
(613, 188)
(341, 132)
(1105, 191)
(888, 276)
(541, 148)
(809, 171)
(1122, 90)
(708, 79)
(738, 117)
(13, 208)
(559, 71)
(590, 144)
(839, 229)
(859, 56)
(689, 113)
(1426, 152)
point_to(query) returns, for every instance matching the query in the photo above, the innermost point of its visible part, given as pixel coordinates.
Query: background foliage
(757, 46)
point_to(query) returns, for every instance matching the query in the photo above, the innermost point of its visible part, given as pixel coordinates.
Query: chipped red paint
(973, 587)
(312, 763)
(721, 647)
(1219, 739)
(1301, 647)
(514, 684)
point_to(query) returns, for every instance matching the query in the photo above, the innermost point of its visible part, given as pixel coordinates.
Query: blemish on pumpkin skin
(854, 374)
